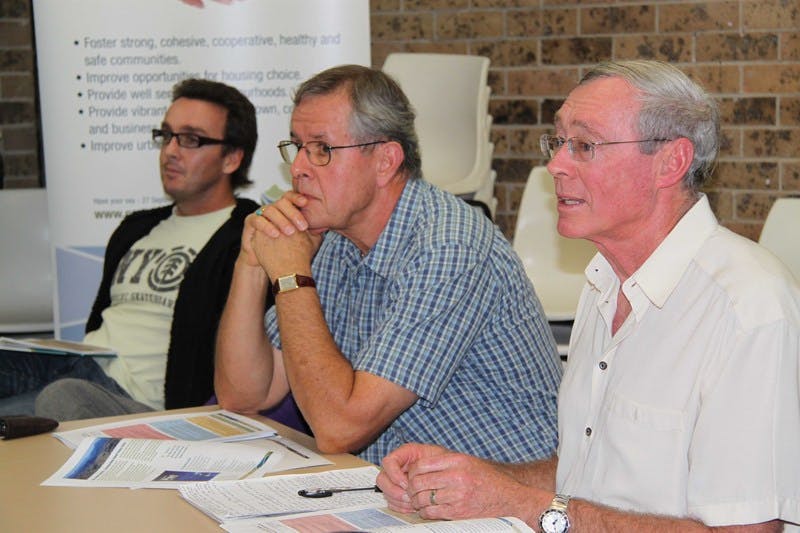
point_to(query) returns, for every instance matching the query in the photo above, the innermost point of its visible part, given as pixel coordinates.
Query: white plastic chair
(779, 234)
(26, 278)
(554, 264)
(451, 97)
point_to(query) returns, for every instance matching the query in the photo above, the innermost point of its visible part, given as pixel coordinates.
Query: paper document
(54, 347)
(163, 464)
(370, 519)
(233, 500)
(204, 426)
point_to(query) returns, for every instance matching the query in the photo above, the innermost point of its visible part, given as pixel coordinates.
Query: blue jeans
(23, 375)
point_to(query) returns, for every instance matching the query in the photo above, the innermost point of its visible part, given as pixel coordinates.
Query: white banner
(106, 70)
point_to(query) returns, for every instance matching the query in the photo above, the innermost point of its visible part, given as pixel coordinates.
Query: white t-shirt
(693, 407)
(143, 293)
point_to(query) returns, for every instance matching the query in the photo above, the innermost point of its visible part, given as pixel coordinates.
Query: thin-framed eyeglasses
(579, 149)
(185, 140)
(318, 152)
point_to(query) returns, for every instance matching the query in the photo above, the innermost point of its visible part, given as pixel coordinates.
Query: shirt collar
(386, 252)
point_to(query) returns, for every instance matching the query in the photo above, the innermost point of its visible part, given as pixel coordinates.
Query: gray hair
(672, 106)
(380, 109)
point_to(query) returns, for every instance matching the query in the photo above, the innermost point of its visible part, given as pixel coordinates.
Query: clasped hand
(278, 240)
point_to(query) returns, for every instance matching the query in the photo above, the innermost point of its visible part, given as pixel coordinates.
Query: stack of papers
(211, 426)
(54, 347)
(166, 451)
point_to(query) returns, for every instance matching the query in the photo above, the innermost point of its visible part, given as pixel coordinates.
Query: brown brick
(771, 143)
(747, 175)
(430, 5)
(542, 82)
(381, 50)
(401, 27)
(16, 112)
(22, 182)
(523, 142)
(543, 22)
(521, 53)
(790, 176)
(17, 86)
(506, 223)
(512, 170)
(766, 78)
(496, 51)
(14, 9)
(751, 230)
(505, 3)
(790, 111)
(16, 60)
(470, 25)
(790, 46)
(702, 16)
(15, 33)
(548, 110)
(715, 78)
(559, 3)
(771, 14)
(500, 141)
(21, 164)
(20, 139)
(438, 47)
(615, 20)
(721, 203)
(514, 111)
(671, 48)
(730, 142)
(384, 5)
(753, 206)
(575, 51)
(748, 111)
(736, 47)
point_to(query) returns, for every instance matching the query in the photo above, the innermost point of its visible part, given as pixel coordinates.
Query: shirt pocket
(641, 456)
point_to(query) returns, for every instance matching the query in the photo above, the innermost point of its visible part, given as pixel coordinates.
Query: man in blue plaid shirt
(401, 313)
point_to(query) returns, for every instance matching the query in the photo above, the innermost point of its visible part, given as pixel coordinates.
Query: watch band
(554, 519)
(560, 502)
(292, 282)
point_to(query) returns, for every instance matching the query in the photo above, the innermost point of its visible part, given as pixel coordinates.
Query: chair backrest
(554, 264)
(26, 278)
(450, 95)
(778, 234)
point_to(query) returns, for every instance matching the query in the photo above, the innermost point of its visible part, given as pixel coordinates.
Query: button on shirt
(693, 407)
(441, 305)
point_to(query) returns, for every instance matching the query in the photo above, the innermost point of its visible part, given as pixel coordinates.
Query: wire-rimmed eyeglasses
(579, 149)
(185, 140)
(318, 152)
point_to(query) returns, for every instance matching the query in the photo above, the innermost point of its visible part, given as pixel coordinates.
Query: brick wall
(18, 122)
(747, 53)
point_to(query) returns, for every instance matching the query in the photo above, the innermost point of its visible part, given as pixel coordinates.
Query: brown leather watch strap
(292, 282)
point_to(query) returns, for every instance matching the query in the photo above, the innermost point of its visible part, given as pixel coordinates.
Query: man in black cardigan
(166, 274)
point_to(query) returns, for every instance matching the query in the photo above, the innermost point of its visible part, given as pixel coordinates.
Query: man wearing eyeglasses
(680, 404)
(166, 273)
(401, 312)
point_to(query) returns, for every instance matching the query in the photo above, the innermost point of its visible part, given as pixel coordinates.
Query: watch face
(287, 283)
(554, 521)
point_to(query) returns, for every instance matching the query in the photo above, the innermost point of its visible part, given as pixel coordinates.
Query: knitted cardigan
(201, 298)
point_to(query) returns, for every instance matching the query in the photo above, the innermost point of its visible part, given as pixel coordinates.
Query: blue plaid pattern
(441, 306)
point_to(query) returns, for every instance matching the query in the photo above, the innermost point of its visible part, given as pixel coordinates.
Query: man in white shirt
(680, 405)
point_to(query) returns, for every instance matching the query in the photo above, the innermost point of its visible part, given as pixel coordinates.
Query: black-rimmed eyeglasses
(185, 140)
(318, 152)
(579, 149)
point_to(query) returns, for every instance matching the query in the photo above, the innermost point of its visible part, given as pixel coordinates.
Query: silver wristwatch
(554, 519)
